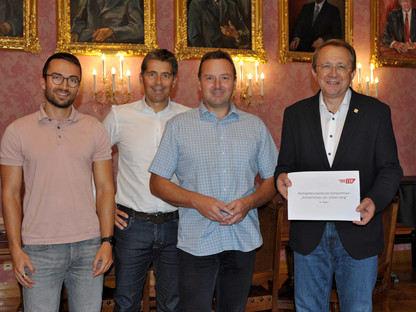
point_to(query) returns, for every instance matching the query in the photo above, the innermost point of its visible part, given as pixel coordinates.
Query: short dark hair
(335, 43)
(217, 55)
(62, 56)
(162, 55)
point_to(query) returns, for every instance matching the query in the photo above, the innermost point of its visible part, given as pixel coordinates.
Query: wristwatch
(110, 239)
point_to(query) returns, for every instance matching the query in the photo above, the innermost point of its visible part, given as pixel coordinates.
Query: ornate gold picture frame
(22, 26)
(77, 35)
(387, 27)
(292, 11)
(242, 37)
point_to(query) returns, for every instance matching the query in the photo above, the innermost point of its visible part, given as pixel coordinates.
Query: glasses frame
(337, 69)
(63, 79)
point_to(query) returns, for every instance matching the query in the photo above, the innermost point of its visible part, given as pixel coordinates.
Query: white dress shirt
(332, 124)
(137, 131)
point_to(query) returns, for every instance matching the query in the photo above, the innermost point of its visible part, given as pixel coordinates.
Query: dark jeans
(136, 247)
(229, 273)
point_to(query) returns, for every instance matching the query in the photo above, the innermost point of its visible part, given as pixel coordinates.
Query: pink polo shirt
(57, 159)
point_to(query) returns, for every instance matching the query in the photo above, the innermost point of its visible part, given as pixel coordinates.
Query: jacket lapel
(349, 131)
(314, 120)
(323, 9)
(224, 8)
(109, 5)
(213, 8)
(400, 26)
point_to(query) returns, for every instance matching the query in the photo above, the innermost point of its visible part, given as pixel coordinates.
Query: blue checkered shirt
(217, 158)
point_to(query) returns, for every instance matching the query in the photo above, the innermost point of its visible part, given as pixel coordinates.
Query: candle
(376, 87)
(121, 66)
(94, 74)
(368, 85)
(257, 69)
(262, 84)
(128, 81)
(359, 72)
(113, 72)
(249, 84)
(103, 64)
(241, 71)
(372, 72)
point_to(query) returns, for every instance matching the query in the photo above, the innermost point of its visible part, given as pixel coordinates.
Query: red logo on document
(347, 181)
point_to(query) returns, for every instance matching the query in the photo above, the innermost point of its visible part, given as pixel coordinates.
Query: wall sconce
(249, 93)
(370, 86)
(114, 90)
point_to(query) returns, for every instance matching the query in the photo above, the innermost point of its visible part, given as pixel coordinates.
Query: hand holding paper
(282, 184)
(366, 210)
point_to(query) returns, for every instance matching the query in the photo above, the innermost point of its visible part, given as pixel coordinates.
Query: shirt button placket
(59, 135)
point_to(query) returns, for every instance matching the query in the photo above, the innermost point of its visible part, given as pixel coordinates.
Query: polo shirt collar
(74, 116)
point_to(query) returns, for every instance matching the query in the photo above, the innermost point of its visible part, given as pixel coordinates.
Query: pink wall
(285, 83)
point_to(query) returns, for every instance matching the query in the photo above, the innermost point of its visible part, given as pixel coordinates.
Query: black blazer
(367, 144)
(327, 25)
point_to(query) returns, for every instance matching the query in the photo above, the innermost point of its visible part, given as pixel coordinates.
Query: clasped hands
(99, 35)
(403, 47)
(214, 210)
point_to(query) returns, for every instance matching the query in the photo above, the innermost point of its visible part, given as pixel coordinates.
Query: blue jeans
(70, 264)
(228, 273)
(355, 279)
(136, 247)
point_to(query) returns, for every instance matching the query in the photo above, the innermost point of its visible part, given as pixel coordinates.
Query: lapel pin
(356, 110)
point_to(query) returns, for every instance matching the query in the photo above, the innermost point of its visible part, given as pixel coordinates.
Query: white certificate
(324, 195)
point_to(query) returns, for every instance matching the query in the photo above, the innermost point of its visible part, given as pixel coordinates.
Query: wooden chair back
(264, 290)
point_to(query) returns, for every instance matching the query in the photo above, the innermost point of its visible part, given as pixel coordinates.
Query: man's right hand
(282, 183)
(4, 28)
(119, 222)
(74, 37)
(211, 208)
(294, 44)
(20, 262)
(400, 47)
(101, 34)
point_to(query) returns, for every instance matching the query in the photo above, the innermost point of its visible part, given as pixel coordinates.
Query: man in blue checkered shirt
(216, 151)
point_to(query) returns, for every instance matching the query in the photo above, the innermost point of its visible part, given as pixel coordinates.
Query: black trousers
(227, 274)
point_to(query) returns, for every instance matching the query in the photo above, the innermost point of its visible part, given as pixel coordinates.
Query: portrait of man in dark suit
(11, 18)
(317, 22)
(108, 21)
(217, 24)
(400, 30)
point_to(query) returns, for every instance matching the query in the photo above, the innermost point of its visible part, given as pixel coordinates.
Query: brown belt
(157, 218)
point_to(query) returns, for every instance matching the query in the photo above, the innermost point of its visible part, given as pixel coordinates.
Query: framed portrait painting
(304, 26)
(112, 26)
(393, 33)
(235, 26)
(18, 25)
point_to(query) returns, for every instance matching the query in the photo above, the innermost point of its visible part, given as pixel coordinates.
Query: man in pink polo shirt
(60, 235)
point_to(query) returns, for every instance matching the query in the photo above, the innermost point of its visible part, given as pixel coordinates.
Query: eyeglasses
(58, 79)
(339, 68)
